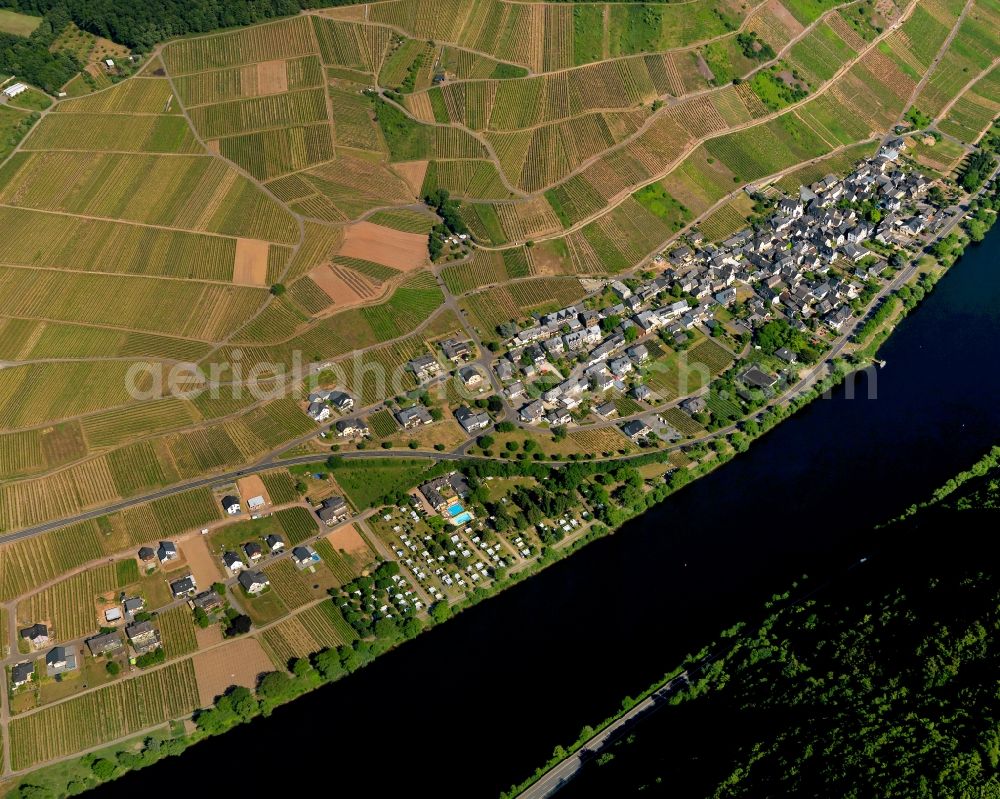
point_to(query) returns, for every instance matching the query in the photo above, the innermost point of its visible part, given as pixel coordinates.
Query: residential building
(470, 377)
(37, 635)
(424, 368)
(253, 582)
(167, 551)
(143, 636)
(105, 644)
(636, 429)
(351, 428)
(305, 556)
(183, 586)
(233, 562)
(470, 421)
(409, 418)
(59, 660)
(332, 510)
(21, 673)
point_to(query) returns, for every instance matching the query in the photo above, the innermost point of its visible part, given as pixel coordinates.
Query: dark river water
(474, 705)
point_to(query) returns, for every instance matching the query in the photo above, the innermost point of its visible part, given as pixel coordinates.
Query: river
(474, 705)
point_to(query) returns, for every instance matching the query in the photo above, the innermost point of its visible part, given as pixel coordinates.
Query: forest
(882, 684)
(142, 23)
(29, 58)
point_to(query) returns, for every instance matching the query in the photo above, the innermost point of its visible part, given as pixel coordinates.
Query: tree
(440, 611)
(113, 668)
(276, 687)
(103, 769)
(278, 289)
(239, 625)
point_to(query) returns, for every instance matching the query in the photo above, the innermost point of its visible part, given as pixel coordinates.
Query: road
(563, 772)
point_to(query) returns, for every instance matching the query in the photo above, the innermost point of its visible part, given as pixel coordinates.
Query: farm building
(14, 90)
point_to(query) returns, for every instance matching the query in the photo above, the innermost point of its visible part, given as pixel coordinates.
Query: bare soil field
(213, 146)
(252, 486)
(208, 636)
(272, 77)
(250, 268)
(339, 290)
(348, 539)
(413, 173)
(383, 245)
(237, 663)
(358, 12)
(199, 560)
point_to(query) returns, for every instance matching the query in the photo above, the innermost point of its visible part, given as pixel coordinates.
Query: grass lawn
(154, 589)
(263, 608)
(24, 699)
(72, 683)
(31, 100)
(14, 124)
(232, 536)
(18, 24)
(447, 432)
(366, 482)
(655, 199)
(499, 486)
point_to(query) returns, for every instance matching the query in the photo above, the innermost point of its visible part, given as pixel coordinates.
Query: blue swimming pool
(462, 519)
(455, 509)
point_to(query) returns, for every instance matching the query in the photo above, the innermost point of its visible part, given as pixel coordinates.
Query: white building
(14, 90)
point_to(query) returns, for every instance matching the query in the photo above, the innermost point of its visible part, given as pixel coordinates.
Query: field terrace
(156, 213)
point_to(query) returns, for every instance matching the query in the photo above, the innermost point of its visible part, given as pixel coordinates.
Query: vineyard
(71, 606)
(177, 631)
(123, 708)
(288, 584)
(261, 197)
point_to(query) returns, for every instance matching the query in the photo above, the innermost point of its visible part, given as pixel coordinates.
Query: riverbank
(554, 772)
(579, 635)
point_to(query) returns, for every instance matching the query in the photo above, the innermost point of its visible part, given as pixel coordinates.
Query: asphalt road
(560, 774)
(27, 532)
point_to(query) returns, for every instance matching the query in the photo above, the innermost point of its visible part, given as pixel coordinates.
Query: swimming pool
(462, 519)
(454, 510)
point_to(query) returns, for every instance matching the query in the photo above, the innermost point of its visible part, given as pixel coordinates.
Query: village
(642, 344)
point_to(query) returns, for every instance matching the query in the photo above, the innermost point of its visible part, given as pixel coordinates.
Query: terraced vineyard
(155, 214)
(250, 203)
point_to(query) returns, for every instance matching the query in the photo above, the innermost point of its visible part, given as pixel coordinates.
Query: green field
(366, 482)
(18, 24)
